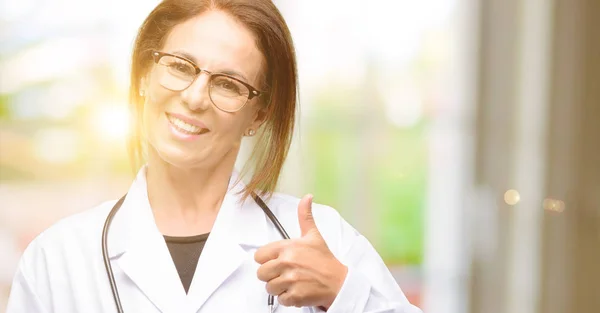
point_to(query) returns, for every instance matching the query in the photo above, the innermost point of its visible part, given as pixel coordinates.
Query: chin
(185, 159)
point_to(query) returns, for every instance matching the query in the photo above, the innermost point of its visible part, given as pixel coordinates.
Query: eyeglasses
(226, 92)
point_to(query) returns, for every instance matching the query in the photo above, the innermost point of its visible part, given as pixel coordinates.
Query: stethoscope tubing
(108, 266)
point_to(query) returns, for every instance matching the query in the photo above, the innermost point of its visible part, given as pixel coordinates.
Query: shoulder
(70, 234)
(83, 223)
(69, 248)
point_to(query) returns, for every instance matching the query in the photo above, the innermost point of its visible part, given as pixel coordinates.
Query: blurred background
(460, 136)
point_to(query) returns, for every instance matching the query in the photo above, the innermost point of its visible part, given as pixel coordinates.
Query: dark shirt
(185, 252)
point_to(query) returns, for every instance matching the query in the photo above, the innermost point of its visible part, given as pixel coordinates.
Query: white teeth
(185, 126)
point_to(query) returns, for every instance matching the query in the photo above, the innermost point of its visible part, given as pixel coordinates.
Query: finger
(269, 251)
(286, 298)
(270, 270)
(277, 286)
(305, 215)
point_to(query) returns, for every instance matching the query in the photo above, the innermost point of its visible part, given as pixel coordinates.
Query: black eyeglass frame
(253, 92)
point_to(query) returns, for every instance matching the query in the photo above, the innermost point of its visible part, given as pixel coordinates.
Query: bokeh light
(111, 122)
(512, 197)
(554, 205)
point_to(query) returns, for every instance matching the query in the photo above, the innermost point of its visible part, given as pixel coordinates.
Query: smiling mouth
(186, 128)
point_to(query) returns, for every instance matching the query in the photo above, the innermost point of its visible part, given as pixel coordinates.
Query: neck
(185, 201)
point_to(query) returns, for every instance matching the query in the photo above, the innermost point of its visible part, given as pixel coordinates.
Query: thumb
(305, 216)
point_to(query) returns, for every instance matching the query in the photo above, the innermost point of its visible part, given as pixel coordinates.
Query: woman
(189, 235)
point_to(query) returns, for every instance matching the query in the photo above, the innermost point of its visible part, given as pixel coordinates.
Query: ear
(145, 81)
(143, 87)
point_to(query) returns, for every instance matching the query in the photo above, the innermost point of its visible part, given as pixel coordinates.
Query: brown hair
(273, 39)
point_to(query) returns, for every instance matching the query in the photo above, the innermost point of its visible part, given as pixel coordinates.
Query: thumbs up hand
(301, 271)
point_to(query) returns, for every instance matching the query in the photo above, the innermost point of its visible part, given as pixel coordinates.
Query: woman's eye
(181, 68)
(228, 85)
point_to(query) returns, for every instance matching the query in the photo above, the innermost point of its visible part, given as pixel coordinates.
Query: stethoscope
(109, 271)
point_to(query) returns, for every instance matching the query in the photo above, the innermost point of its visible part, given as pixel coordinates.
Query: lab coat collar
(139, 247)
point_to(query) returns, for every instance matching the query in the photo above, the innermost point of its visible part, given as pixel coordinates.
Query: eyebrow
(226, 72)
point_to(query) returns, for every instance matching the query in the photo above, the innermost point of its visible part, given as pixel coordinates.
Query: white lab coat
(62, 270)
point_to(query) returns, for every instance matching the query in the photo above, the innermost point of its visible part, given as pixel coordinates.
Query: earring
(142, 93)
(251, 132)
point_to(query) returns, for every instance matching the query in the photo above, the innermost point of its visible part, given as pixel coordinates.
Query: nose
(196, 96)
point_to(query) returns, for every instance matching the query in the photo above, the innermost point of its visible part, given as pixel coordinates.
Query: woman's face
(184, 128)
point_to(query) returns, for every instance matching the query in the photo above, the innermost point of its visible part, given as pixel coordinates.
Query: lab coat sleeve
(23, 297)
(369, 286)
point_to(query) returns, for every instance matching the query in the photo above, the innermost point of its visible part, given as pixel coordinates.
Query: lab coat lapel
(238, 226)
(141, 252)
